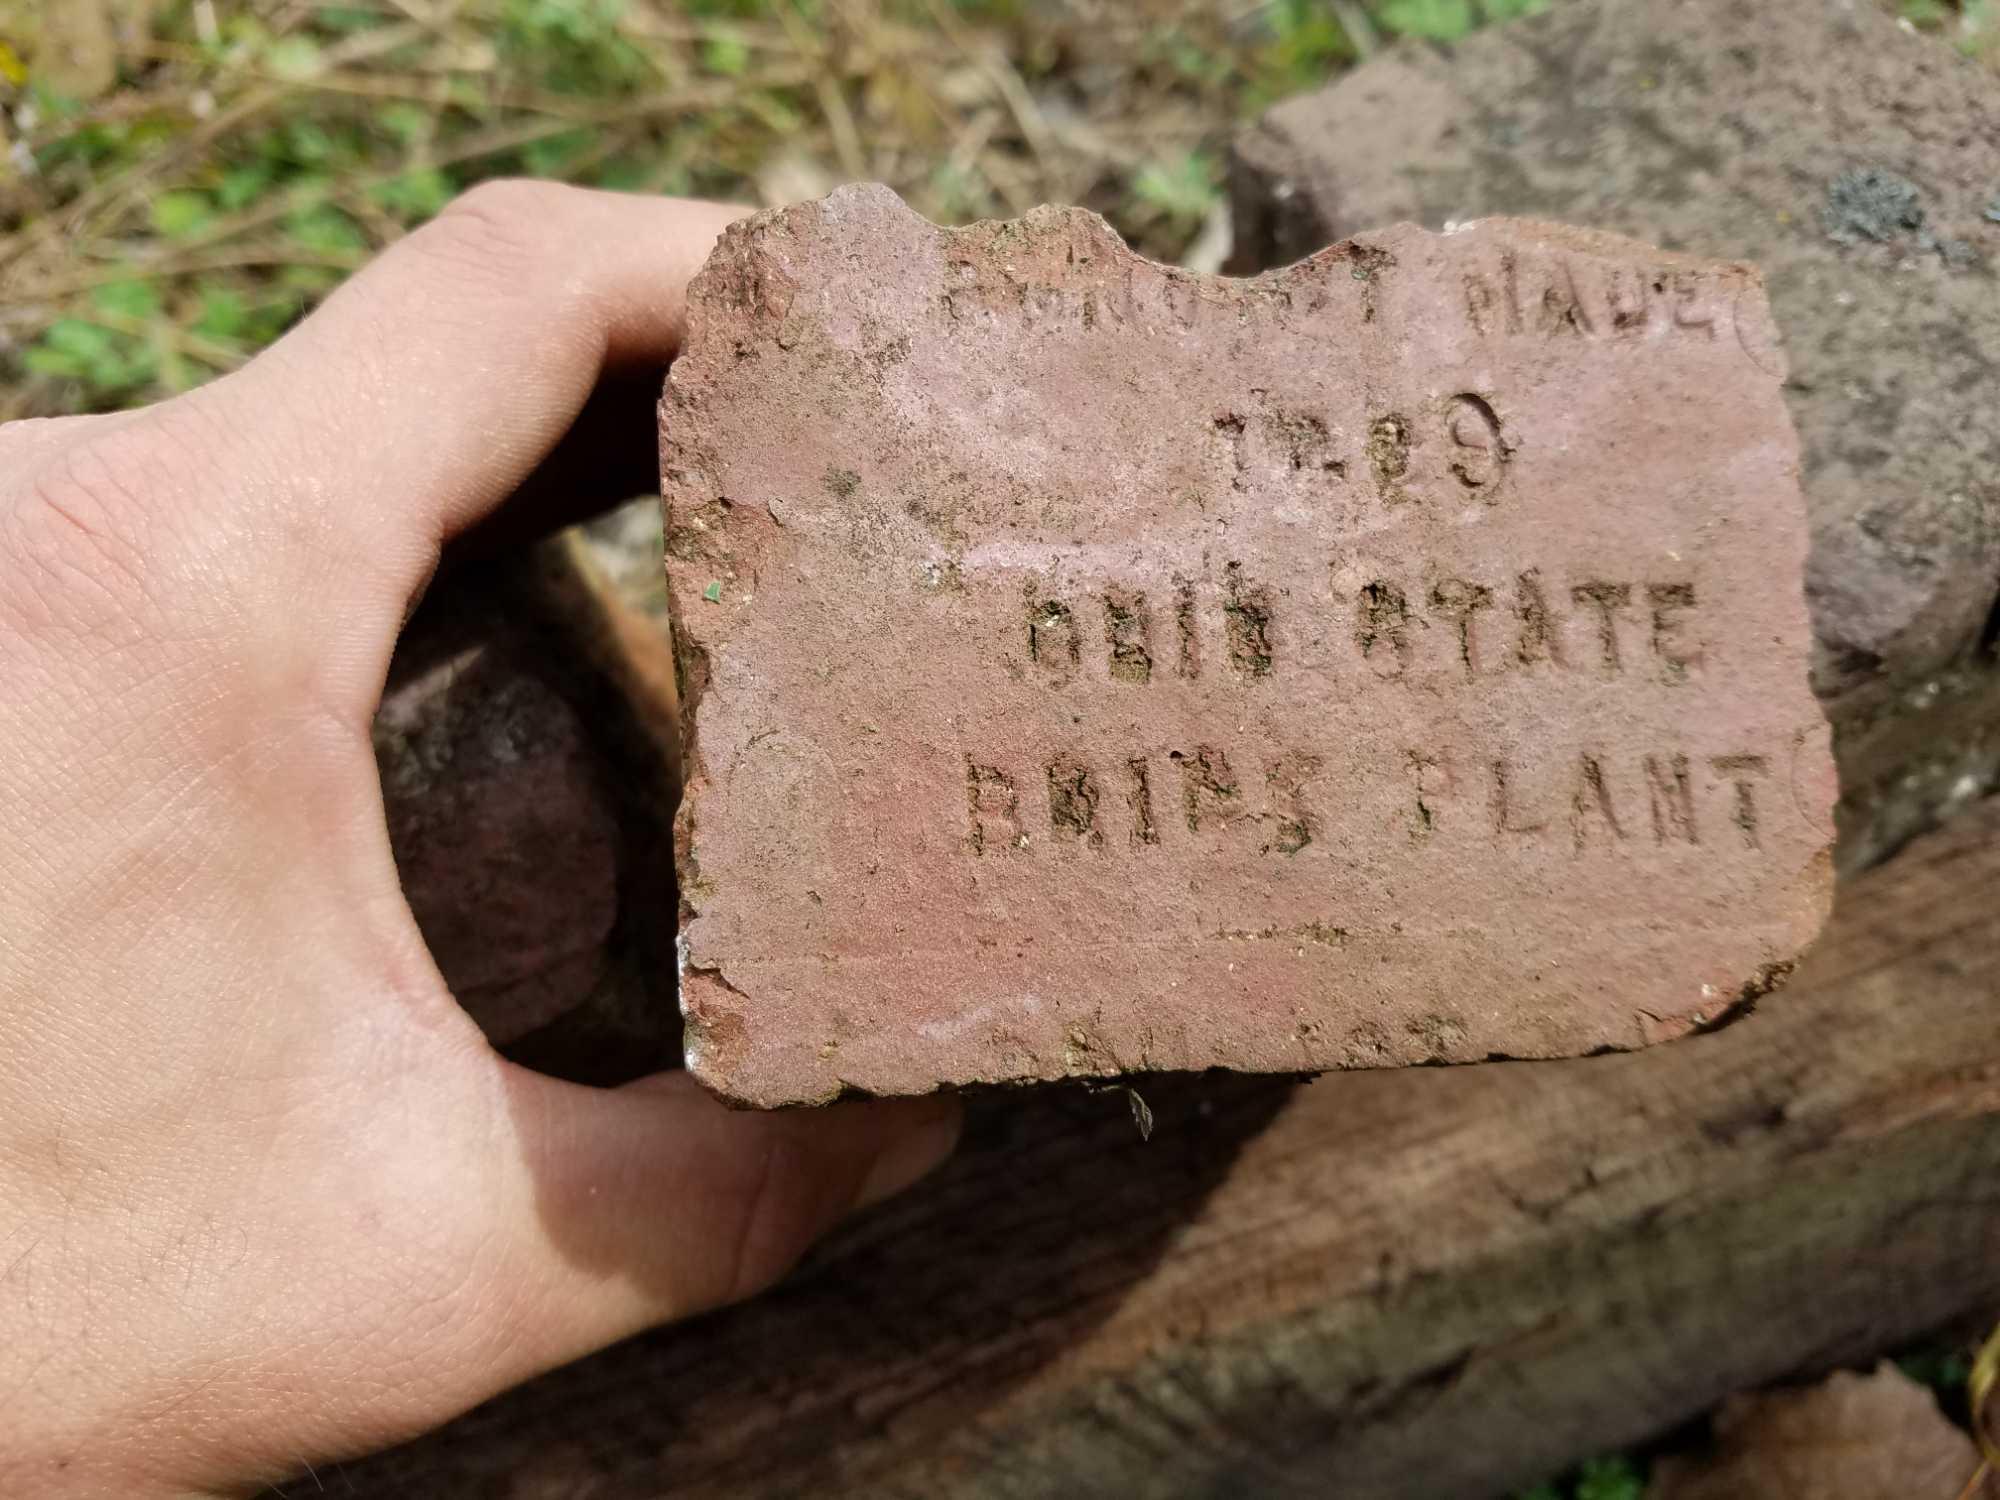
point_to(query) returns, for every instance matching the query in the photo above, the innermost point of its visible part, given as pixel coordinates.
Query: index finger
(427, 389)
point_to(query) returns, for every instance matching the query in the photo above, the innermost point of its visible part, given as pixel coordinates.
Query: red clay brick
(1094, 668)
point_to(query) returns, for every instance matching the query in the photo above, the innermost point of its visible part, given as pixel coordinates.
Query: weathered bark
(1419, 1283)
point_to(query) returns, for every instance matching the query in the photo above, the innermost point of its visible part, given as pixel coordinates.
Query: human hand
(266, 1195)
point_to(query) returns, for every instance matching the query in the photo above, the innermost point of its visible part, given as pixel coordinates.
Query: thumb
(654, 1201)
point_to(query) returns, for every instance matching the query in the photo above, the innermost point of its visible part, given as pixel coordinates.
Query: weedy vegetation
(180, 180)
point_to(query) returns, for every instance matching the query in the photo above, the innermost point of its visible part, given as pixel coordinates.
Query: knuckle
(505, 227)
(508, 200)
(514, 241)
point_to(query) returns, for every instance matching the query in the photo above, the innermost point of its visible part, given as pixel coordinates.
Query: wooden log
(1441, 1281)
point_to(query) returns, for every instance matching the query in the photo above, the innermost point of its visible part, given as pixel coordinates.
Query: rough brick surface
(1854, 162)
(1400, 657)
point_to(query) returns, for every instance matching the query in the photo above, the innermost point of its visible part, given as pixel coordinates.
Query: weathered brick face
(1400, 657)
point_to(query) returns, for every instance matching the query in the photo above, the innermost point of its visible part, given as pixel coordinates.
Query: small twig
(1355, 23)
(437, 90)
(826, 85)
(1009, 180)
(972, 140)
(373, 42)
(484, 143)
(183, 340)
(106, 198)
(58, 288)
(840, 121)
(422, 18)
(1004, 77)
(378, 221)
(655, 23)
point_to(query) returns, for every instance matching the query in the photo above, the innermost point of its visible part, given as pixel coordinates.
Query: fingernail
(911, 1154)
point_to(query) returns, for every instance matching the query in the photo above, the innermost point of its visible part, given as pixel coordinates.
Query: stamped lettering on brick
(1133, 632)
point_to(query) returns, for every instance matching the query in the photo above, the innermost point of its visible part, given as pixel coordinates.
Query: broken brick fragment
(1400, 657)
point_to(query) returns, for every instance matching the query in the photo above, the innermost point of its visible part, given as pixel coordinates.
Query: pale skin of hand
(266, 1195)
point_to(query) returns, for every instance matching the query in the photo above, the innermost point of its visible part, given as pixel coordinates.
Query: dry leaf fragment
(1851, 1437)
(1142, 1115)
(74, 47)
